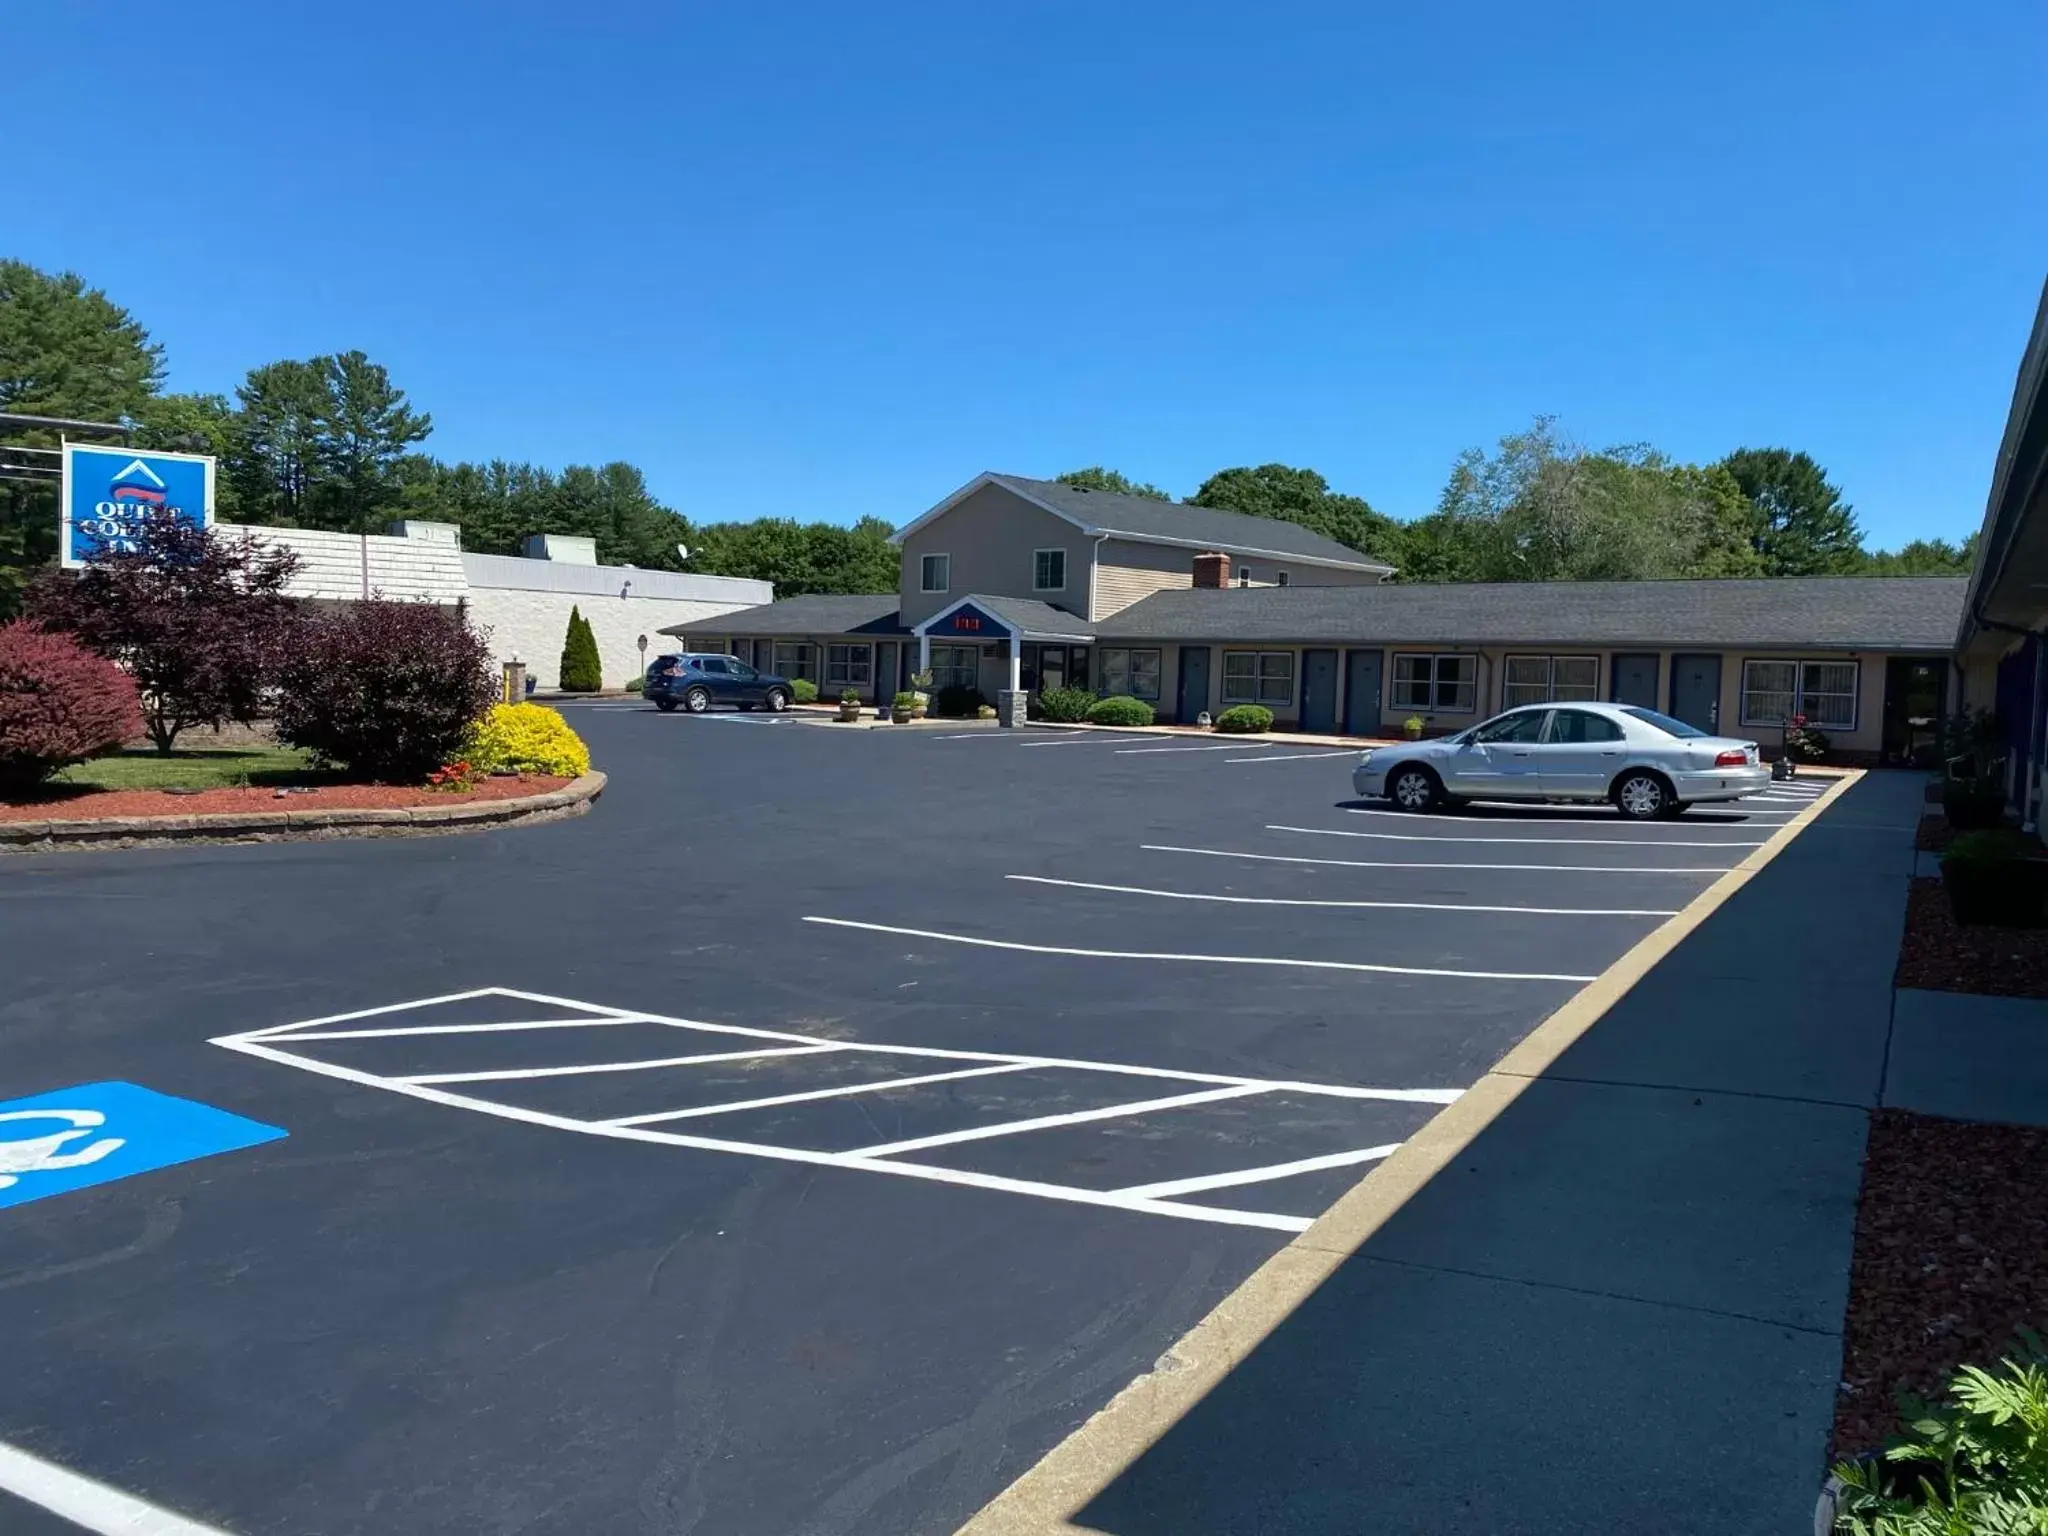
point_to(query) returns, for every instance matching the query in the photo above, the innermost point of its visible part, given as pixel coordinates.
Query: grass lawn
(199, 768)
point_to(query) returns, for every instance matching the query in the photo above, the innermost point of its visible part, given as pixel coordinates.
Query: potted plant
(921, 691)
(904, 706)
(1973, 804)
(1996, 878)
(849, 706)
(1412, 727)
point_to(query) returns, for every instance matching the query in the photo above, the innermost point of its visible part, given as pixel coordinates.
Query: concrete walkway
(1619, 1309)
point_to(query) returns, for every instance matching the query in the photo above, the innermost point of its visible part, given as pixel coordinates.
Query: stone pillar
(515, 682)
(1011, 707)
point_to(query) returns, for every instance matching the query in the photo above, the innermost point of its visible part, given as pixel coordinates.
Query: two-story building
(1012, 582)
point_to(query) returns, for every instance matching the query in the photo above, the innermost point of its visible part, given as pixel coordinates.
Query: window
(1823, 691)
(1258, 677)
(1576, 726)
(1664, 723)
(849, 665)
(956, 666)
(1280, 578)
(1244, 575)
(1132, 672)
(717, 666)
(1549, 679)
(1445, 683)
(742, 671)
(796, 658)
(935, 573)
(1049, 570)
(1526, 727)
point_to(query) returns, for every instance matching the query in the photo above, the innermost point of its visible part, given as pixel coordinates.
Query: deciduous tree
(1302, 496)
(199, 619)
(1096, 478)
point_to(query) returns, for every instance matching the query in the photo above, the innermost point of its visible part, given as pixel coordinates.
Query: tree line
(331, 442)
(1541, 507)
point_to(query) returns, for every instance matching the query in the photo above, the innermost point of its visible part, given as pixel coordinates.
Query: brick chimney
(1212, 569)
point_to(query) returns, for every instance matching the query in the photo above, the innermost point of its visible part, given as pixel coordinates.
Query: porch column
(1010, 702)
(1016, 664)
(924, 653)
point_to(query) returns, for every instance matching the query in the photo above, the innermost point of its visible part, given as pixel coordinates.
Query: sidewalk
(1617, 1309)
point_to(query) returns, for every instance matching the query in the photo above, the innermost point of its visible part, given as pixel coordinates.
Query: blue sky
(826, 260)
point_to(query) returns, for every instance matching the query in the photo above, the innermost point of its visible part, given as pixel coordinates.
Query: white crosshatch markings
(925, 1067)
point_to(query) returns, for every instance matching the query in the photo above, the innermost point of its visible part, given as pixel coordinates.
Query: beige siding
(992, 538)
(1127, 570)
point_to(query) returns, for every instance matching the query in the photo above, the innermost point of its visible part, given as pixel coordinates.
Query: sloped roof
(1028, 616)
(865, 613)
(1892, 613)
(1167, 522)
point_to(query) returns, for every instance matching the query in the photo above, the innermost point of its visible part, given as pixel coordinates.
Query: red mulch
(1933, 835)
(1951, 1259)
(1941, 956)
(124, 803)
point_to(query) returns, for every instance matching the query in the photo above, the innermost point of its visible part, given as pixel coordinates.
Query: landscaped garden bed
(1951, 1260)
(126, 804)
(1942, 955)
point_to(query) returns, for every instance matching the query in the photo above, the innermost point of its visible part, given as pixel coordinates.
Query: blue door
(1193, 696)
(1634, 679)
(1319, 691)
(1362, 693)
(1696, 691)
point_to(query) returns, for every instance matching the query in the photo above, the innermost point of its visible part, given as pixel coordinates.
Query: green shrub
(1245, 720)
(638, 684)
(1066, 705)
(582, 671)
(1973, 803)
(1120, 709)
(1995, 843)
(1975, 1463)
(803, 690)
(1412, 727)
(957, 702)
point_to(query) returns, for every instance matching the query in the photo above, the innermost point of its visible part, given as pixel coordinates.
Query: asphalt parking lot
(803, 1142)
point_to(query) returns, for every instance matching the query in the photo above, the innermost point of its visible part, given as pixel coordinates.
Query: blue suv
(699, 681)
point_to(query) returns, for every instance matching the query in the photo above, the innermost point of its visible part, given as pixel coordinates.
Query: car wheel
(1414, 789)
(666, 706)
(1643, 796)
(778, 701)
(697, 700)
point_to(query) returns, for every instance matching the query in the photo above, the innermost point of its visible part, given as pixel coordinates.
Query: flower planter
(1996, 893)
(849, 713)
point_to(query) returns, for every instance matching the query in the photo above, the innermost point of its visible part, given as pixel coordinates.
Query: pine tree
(582, 670)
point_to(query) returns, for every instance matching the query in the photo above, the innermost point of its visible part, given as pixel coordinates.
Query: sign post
(109, 493)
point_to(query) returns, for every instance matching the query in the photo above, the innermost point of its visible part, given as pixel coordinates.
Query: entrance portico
(993, 628)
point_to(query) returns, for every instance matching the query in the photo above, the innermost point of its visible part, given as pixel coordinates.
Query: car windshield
(1664, 723)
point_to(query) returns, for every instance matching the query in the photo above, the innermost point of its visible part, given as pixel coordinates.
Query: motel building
(1018, 584)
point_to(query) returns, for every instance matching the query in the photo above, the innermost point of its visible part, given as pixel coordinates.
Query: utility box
(447, 534)
(562, 548)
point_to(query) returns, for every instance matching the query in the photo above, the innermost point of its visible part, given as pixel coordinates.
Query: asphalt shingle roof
(1030, 616)
(866, 613)
(1821, 612)
(1141, 516)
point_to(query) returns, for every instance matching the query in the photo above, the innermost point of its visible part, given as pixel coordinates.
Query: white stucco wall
(530, 627)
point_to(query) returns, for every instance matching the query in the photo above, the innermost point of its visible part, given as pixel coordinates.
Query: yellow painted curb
(1045, 1499)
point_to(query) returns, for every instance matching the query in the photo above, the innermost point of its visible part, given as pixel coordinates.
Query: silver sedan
(1645, 763)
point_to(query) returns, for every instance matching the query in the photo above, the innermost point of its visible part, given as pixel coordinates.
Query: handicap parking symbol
(95, 1133)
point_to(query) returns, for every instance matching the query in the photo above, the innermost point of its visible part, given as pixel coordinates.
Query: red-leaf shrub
(59, 704)
(388, 691)
(199, 619)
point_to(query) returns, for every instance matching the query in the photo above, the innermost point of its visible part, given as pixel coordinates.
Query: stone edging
(572, 799)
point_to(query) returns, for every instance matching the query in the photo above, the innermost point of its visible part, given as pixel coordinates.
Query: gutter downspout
(1094, 563)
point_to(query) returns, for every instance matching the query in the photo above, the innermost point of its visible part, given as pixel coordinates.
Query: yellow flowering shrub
(527, 738)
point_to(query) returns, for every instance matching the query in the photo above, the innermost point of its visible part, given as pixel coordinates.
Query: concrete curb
(572, 799)
(1043, 1501)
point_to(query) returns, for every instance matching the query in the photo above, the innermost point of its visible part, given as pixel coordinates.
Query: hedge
(803, 690)
(1066, 705)
(1120, 709)
(1245, 720)
(59, 704)
(527, 738)
(957, 702)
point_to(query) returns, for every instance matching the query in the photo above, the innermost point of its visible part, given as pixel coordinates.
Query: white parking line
(516, 1074)
(1049, 1122)
(88, 1503)
(1301, 901)
(1138, 751)
(1265, 1175)
(1077, 740)
(817, 1093)
(1562, 869)
(471, 1029)
(269, 1045)
(1289, 757)
(1532, 842)
(1139, 954)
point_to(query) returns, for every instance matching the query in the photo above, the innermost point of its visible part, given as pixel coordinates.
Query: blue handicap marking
(95, 1133)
